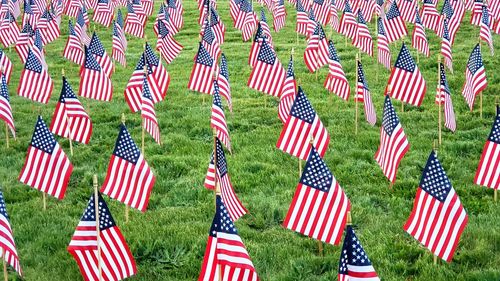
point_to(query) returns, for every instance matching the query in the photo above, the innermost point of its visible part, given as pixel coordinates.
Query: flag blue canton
(119, 18)
(485, 16)
(352, 252)
(4, 90)
(171, 4)
(361, 19)
(475, 60)
(46, 15)
(245, 6)
(316, 174)
(130, 9)
(140, 64)
(38, 40)
(495, 131)
(404, 60)
(223, 67)
(125, 147)
(150, 56)
(321, 32)
(361, 76)
(417, 17)
(95, 45)
(430, 2)
(390, 119)
(393, 11)
(443, 81)
(66, 91)
(214, 17)
(32, 63)
(380, 2)
(146, 93)
(3, 208)
(332, 52)
(446, 33)
(221, 159)
(302, 108)
(300, 8)
(80, 20)
(71, 29)
(263, 15)
(115, 29)
(28, 29)
(10, 17)
(217, 101)
(266, 54)
(204, 57)
(208, 35)
(319, 2)
(290, 72)
(105, 219)
(90, 61)
(27, 8)
(434, 180)
(222, 221)
(42, 138)
(347, 7)
(380, 25)
(447, 10)
(162, 29)
(311, 15)
(259, 34)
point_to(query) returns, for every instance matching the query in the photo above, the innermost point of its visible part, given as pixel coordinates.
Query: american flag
(495, 9)
(175, 11)
(438, 217)
(334, 17)
(383, 50)
(9, 31)
(407, 9)
(234, 6)
(475, 77)
(8, 246)
(362, 38)
(202, 73)
(159, 79)
(148, 114)
(430, 15)
(5, 108)
(446, 47)
(91, 4)
(256, 44)
(210, 42)
(5, 66)
(119, 44)
(148, 7)
(419, 38)
(81, 28)
(303, 124)
(456, 16)
(28, 15)
(49, 27)
(94, 83)
(336, 81)
(268, 74)
(166, 44)
(444, 97)
(38, 50)
(129, 178)
(487, 173)
(265, 27)
(46, 168)
(133, 90)
(204, 7)
(218, 119)
(485, 31)
(235, 208)
(15, 7)
(279, 15)
(35, 83)
(70, 120)
(321, 8)
(394, 25)
(246, 20)
(319, 207)
(103, 14)
(477, 12)
(311, 52)
(348, 23)
(223, 82)
(354, 263)
(134, 25)
(393, 142)
(217, 26)
(73, 50)
(85, 14)
(97, 49)
(288, 93)
(406, 80)
(161, 16)
(363, 95)
(302, 19)
(367, 7)
(72, 7)
(112, 255)
(225, 255)
(24, 41)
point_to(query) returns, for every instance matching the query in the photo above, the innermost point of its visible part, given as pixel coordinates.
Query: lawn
(168, 241)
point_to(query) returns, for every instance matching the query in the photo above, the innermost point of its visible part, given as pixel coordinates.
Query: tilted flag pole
(320, 243)
(481, 93)
(68, 127)
(96, 205)
(434, 147)
(356, 94)
(127, 208)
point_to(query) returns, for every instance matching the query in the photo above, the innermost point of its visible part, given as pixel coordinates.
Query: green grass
(168, 241)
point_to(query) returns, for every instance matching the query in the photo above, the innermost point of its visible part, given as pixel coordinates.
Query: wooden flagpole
(127, 208)
(5, 273)
(97, 229)
(320, 243)
(67, 126)
(389, 89)
(440, 114)
(435, 149)
(356, 95)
